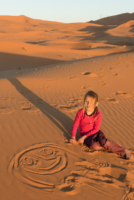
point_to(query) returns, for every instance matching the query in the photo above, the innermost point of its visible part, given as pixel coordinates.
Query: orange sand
(45, 70)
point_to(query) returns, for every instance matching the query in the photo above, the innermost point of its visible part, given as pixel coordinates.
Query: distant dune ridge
(45, 70)
(115, 20)
(57, 42)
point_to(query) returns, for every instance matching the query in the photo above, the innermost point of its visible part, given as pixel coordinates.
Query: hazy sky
(66, 11)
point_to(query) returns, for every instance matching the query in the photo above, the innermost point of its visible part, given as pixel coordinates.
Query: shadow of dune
(92, 29)
(10, 61)
(114, 20)
(64, 122)
(100, 34)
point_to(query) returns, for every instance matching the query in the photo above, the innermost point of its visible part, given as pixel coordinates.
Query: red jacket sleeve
(96, 126)
(75, 124)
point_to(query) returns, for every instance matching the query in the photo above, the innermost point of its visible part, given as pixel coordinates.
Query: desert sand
(45, 70)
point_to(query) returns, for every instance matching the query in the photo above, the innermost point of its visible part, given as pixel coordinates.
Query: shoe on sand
(127, 155)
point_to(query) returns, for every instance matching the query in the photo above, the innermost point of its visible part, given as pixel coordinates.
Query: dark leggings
(98, 141)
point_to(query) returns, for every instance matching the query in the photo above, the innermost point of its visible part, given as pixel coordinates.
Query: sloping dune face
(52, 42)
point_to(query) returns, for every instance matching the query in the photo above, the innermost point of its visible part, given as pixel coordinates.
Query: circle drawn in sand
(34, 164)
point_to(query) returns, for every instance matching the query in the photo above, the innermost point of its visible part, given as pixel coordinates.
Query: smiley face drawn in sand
(36, 165)
(39, 160)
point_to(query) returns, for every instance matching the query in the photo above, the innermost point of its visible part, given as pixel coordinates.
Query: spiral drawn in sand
(34, 164)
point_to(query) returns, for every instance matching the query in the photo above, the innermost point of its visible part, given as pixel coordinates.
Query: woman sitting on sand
(89, 119)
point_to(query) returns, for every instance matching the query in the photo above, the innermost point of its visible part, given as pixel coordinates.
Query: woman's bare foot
(127, 155)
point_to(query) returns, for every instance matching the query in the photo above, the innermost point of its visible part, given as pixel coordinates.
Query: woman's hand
(81, 140)
(73, 140)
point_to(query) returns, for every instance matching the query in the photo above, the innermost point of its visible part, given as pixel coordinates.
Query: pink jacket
(84, 121)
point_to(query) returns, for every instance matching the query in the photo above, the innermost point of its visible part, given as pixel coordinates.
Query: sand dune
(115, 20)
(43, 80)
(64, 41)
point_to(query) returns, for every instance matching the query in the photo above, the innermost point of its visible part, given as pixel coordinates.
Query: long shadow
(10, 61)
(45, 108)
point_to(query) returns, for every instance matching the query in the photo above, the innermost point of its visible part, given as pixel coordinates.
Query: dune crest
(59, 42)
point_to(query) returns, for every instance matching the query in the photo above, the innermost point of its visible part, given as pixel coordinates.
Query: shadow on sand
(10, 61)
(45, 108)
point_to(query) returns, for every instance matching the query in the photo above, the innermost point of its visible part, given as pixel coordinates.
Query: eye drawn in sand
(86, 87)
(122, 94)
(89, 74)
(72, 77)
(110, 100)
(28, 106)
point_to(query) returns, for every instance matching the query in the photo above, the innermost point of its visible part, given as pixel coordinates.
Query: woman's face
(90, 104)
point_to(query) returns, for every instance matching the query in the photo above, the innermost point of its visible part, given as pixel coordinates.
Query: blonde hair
(95, 96)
